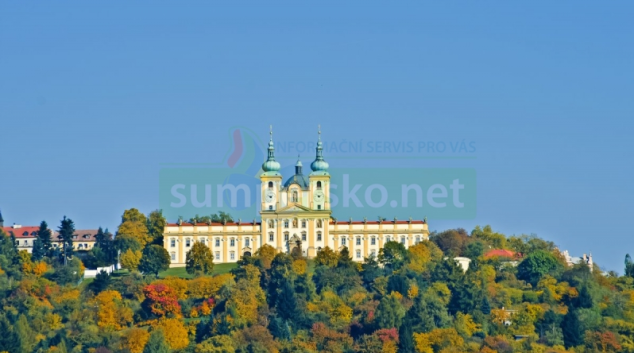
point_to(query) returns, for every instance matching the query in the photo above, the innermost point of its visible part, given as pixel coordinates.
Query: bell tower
(319, 179)
(271, 180)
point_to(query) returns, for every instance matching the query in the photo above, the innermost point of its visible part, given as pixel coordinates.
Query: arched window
(303, 236)
(285, 236)
(318, 236)
(271, 236)
(173, 256)
(270, 185)
(343, 241)
(270, 207)
(294, 197)
(303, 223)
(318, 185)
(286, 223)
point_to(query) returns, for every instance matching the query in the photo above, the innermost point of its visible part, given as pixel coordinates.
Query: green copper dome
(319, 166)
(271, 166)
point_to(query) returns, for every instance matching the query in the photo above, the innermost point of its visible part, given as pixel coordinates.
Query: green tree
(629, 266)
(101, 282)
(392, 255)
(199, 260)
(390, 312)
(474, 250)
(25, 335)
(134, 225)
(405, 334)
(9, 340)
(154, 260)
(156, 224)
(326, 257)
(43, 243)
(536, 265)
(66, 233)
(157, 343)
(572, 329)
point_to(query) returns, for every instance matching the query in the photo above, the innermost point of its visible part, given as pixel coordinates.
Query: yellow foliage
(499, 316)
(389, 347)
(437, 340)
(252, 274)
(299, 266)
(111, 314)
(556, 290)
(246, 299)
(135, 339)
(207, 287)
(175, 333)
(412, 292)
(441, 290)
(396, 295)
(419, 257)
(357, 298)
(40, 268)
(136, 229)
(334, 306)
(465, 325)
(131, 259)
(53, 321)
(179, 285)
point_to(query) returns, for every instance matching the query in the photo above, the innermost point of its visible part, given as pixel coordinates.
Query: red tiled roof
(203, 224)
(31, 231)
(377, 222)
(500, 253)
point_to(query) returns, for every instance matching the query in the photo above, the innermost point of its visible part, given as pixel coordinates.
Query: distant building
(572, 260)
(84, 239)
(24, 235)
(463, 262)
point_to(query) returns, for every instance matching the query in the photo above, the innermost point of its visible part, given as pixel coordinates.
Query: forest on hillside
(405, 300)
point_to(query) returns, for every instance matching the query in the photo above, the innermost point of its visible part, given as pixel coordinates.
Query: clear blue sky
(95, 96)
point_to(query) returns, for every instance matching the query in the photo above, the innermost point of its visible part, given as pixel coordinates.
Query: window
(232, 242)
(294, 197)
(285, 236)
(403, 240)
(343, 241)
(373, 241)
(218, 242)
(247, 242)
(358, 254)
(319, 185)
(304, 236)
(270, 185)
(173, 243)
(373, 253)
(217, 255)
(286, 223)
(387, 238)
(318, 236)
(271, 236)
(358, 241)
(319, 207)
(417, 239)
(270, 208)
(173, 256)
(81, 246)
(188, 242)
(202, 241)
(303, 223)
(85, 245)
(232, 255)
(319, 249)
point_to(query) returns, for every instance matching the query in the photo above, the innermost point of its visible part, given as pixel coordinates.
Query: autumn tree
(199, 260)
(134, 226)
(135, 339)
(161, 300)
(326, 257)
(131, 259)
(175, 333)
(154, 260)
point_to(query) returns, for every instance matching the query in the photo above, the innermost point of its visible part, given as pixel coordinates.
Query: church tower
(271, 180)
(319, 179)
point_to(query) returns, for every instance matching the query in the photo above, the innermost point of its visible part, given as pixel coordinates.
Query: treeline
(405, 300)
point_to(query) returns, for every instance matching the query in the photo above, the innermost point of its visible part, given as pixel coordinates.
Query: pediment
(295, 207)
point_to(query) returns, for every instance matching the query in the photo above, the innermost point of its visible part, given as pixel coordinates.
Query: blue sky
(95, 96)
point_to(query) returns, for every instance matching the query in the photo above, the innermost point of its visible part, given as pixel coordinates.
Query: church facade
(295, 215)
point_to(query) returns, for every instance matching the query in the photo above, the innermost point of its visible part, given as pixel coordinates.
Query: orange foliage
(163, 299)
